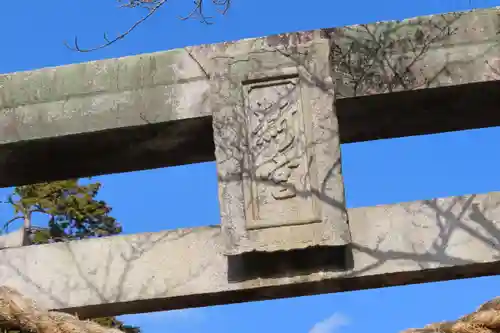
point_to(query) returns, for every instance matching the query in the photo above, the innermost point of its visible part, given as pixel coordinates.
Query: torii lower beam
(422, 241)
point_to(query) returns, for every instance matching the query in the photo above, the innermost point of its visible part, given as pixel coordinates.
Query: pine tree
(73, 213)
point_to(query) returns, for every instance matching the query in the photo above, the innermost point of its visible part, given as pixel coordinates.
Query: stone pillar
(277, 144)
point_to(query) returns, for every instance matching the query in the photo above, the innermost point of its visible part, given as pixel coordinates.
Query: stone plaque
(278, 189)
(277, 145)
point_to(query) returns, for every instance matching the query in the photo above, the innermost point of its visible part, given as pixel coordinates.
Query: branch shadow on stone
(437, 261)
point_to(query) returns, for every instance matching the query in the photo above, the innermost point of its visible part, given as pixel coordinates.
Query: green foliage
(112, 322)
(73, 213)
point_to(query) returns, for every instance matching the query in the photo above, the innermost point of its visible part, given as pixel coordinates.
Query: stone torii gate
(277, 108)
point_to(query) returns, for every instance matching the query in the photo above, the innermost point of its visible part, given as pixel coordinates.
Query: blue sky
(398, 170)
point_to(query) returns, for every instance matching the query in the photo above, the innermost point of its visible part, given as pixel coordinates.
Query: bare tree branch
(198, 10)
(9, 222)
(109, 42)
(153, 6)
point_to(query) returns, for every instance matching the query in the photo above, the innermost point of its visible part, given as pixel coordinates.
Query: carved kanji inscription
(278, 189)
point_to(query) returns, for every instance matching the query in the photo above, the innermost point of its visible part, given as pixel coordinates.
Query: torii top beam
(141, 112)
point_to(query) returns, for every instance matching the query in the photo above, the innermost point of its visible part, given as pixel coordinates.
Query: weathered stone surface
(428, 240)
(389, 66)
(423, 52)
(112, 115)
(277, 147)
(101, 95)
